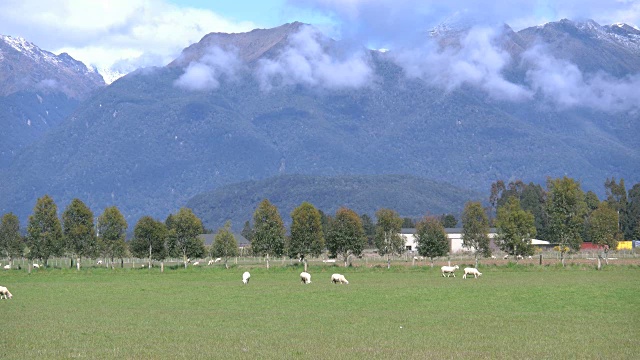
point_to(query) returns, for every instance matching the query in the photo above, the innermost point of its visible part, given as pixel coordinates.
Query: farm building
(455, 240)
(454, 235)
(209, 238)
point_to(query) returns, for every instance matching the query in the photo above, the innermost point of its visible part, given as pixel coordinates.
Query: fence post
(540, 259)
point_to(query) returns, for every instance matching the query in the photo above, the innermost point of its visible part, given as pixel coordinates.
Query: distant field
(511, 312)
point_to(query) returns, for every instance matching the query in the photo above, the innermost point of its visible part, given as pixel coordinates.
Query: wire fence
(368, 258)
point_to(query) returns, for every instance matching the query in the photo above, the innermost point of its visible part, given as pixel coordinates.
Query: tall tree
(268, 231)
(448, 221)
(632, 228)
(224, 244)
(346, 235)
(369, 228)
(408, 223)
(149, 239)
(475, 229)
(432, 239)
(533, 200)
(44, 232)
(565, 209)
(247, 231)
(388, 239)
(497, 189)
(183, 230)
(617, 199)
(112, 232)
(603, 228)
(516, 227)
(306, 237)
(78, 230)
(11, 242)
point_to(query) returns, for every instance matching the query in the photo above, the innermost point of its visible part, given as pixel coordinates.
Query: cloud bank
(306, 61)
(478, 62)
(206, 73)
(132, 33)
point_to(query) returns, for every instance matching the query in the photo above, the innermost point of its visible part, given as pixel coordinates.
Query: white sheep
(519, 257)
(218, 259)
(449, 270)
(210, 262)
(5, 292)
(529, 257)
(338, 278)
(506, 256)
(99, 262)
(7, 267)
(330, 261)
(493, 257)
(305, 277)
(36, 266)
(196, 263)
(471, 271)
(245, 277)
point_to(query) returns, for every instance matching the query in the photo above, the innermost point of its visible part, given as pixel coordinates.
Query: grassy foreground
(510, 312)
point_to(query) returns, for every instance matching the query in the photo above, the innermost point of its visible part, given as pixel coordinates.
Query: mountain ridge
(148, 146)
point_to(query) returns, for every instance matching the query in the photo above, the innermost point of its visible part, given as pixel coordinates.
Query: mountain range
(550, 100)
(38, 90)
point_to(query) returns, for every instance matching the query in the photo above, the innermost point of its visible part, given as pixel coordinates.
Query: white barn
(454, 235)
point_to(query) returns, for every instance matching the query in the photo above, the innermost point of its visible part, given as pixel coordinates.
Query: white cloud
(477, 62)
(205, 73)
(562, 83)
(306, 61)
(102, 33)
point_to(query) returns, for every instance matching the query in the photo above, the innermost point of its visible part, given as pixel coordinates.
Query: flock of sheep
(305, 278)
(450, 270)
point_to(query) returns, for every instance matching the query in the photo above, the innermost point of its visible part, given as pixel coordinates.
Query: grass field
(511, 312)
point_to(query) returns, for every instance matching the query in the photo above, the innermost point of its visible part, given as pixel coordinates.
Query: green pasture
(511, 312)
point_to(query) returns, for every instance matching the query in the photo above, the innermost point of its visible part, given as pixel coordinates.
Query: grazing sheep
(5, 292)
(471, 271)
(329, 261)
(519, 257)
(305, 277)
(218, 259)
(493, 257)
(338, 278)
(449, 270)
(99, 262)
(529, 257)
(36, 266)
(196, 263)
(210, 262)
(506, 256)
(245, 277)
(7, 267)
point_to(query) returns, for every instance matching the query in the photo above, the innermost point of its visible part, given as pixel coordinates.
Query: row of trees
(562, 212)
